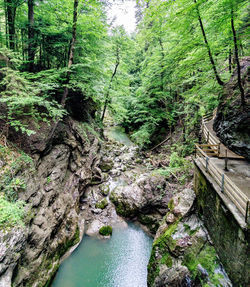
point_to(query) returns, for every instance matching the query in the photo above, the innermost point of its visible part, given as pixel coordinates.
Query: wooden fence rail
(227, 187)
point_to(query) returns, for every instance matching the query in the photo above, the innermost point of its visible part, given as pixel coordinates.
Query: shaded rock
(11, 244)
(171, 277)
(182, 248)
(106, 164)
(232, 124)
(63, 170)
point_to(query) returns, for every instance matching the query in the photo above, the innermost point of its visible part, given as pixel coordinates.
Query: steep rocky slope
(183, 254)
(64, 167)
(232, 124)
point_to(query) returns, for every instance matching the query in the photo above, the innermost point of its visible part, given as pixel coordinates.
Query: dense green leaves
(176, 67)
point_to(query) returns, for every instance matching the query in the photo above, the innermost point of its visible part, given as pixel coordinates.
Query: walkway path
(233, 182)
(223, 150)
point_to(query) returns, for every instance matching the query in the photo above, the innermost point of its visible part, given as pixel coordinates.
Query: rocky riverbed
(183, 254)
(79, 188)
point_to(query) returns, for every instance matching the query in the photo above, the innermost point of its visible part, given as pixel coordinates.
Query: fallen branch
(160, 144)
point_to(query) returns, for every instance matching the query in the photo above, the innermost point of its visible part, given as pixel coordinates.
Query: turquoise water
(117, 133)
(118, 262)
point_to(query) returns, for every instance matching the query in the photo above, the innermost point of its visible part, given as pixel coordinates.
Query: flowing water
(120, 261)
(117, 133)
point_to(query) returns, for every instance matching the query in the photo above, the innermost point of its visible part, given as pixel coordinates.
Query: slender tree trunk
(218, 79)
(71, 57)
(31, 35)
(11, 17)
(230, 61)
(6, 24)
(162, 65)
(22, 40)
(242, 93)
(110, 84)
(71, 52)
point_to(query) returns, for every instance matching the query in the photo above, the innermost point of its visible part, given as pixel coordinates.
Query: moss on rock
(102, 204)
(121, 207)
(106, 230)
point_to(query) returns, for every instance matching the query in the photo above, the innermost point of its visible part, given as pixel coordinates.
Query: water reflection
(118, 262)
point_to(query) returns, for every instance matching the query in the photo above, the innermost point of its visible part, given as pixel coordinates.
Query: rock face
(63, 171)
(232, 124)
(182, 253)
(11, 245)
(226, 232)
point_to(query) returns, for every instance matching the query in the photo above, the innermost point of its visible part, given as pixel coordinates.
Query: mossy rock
(104, 189)
(151, 223)
(102, 204)
(106, 230)
(207, 258)
(106, 166)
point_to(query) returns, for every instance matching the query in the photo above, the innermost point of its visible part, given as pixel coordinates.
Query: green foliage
(208, 259)
(26, 102)
(106, 230)
(11, 182)
(179, 167)
(11, 213)
(102, 204)
(172, 81)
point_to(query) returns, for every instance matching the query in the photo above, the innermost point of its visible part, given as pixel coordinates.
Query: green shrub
(179, 167)
(102, 204)
(106, 230)
(27, 101)
(11, 179)
(11, 213)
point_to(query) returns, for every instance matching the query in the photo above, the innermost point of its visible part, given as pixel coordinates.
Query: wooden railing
(208, 136)
(210, 149)
(227, 187)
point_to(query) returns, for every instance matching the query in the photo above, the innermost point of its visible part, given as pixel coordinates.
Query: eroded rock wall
(231, 241)
(182, 254)
(232, 123)
(63, 169)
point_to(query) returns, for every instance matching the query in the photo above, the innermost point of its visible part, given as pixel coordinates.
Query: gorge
(124, 156)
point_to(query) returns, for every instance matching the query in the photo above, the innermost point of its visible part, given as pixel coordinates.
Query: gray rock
(171, 277)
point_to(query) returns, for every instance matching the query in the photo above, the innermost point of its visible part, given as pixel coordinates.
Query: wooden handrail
(240, 200)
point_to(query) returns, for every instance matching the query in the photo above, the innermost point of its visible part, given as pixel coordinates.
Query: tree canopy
(169, 72)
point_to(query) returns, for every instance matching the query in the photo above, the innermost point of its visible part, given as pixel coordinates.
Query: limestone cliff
(182, 254)
(64, 166)
(232, 123)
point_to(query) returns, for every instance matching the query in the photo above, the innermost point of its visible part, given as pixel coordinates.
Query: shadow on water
(118, 262)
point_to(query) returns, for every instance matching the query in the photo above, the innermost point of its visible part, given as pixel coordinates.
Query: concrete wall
(231, 240)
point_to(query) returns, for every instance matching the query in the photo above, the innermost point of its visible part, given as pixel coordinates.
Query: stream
(120, 261)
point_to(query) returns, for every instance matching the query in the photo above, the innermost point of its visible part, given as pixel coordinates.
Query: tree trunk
(230, 61)
(11, 17)
(31, 35)
(6, 24)
(243, 102)
(162, 65)
(71, 52)
(218, 79)
(71, 57)
(110, 84)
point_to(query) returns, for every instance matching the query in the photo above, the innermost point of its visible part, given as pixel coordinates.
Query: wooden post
(226, 162)
(207, 159)
(222, 183)
(247, 208)
(200, 137)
